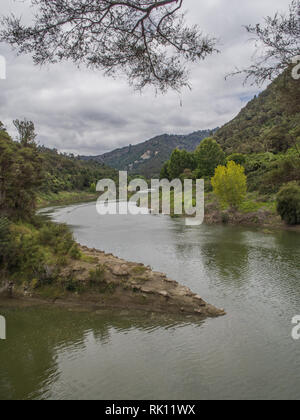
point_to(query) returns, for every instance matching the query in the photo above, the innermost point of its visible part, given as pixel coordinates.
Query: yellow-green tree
(230, 184)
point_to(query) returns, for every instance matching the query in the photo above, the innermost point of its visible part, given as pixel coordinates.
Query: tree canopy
(148, 40)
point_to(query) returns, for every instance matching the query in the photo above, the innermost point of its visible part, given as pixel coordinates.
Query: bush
(288, 203)
(238, 158)
(74, 252)
(57, 236)
(230, 184)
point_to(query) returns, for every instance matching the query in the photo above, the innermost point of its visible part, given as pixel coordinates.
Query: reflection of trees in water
(36, 336)
(223, 251)
(229, 255)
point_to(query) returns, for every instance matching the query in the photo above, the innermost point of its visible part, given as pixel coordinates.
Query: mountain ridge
(146, 158)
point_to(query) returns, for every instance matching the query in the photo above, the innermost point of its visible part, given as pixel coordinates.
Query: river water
(248, 354)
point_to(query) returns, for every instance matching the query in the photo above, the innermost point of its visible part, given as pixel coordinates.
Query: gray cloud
(80, 111)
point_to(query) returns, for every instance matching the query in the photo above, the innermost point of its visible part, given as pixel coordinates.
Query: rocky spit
(119, 284)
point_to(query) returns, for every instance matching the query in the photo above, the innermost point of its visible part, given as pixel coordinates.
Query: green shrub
(97, 275)
(74, 252)
(288, 203)
(238, 158)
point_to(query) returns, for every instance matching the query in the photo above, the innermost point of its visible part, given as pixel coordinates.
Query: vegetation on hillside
(268, 123)
(148, 157)
(264, 139)
(33, 250)
(29, 172)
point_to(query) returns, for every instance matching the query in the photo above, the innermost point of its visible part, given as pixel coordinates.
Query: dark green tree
(179, 161)
(26, 132)
(208, 156)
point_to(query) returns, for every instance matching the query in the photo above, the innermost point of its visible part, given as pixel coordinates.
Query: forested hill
(28, 172)
(67, 173)
(270, 122)
(148, 157)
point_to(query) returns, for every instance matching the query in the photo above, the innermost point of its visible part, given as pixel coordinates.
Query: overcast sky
(80, 111)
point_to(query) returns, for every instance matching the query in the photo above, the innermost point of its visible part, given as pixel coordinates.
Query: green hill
(268, 123)
(148, 157)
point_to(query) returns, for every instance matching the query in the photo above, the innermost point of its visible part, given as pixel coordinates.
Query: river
(248, 354)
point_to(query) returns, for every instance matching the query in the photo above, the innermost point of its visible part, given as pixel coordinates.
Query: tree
(279, 42)
(208, 156)
(164, 173)
(149, 41)
(230, 184)
(278, 139)
(21, 173)
(288, 203)
(26, 131)
(179, 161)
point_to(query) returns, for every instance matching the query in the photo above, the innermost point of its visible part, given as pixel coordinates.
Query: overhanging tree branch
(148, 40)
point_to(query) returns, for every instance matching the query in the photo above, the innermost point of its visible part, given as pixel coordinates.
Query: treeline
(26, 170)
(33, 250)
(230, 176)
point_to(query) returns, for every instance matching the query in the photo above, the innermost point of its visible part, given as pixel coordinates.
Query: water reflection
(38, 340)
(253, 274)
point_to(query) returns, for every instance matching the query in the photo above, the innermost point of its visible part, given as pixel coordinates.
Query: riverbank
(64, 198)
(101, 281)
(256, 211)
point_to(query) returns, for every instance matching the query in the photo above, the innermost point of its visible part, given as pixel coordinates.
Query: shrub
(230, 184)
(288, 203)
(74, 252)
(238, 158)
(97, 275)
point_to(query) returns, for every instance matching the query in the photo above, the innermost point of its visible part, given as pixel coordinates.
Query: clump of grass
(139, 269)
(97, 276)
(88, 259)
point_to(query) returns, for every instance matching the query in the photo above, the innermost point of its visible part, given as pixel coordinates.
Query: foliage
(68, 173)
(278, 41)
(26, 131)
(148, 41)
(5, 240)
(20, 176)
(97, 276)
(288, 203)
(208, 156)
(179, 161)
(238, 158)
(269, 122)
(147, 158)
(230, 184)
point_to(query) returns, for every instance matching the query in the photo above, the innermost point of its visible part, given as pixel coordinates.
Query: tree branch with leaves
(148, 40)
(277, 43)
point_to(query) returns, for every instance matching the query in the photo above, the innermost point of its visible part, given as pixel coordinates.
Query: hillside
(271, 120)
(148, 157)
(48, 175)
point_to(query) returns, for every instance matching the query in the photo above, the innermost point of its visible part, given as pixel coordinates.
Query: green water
(57, 354)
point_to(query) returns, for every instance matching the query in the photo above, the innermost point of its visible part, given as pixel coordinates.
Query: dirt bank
(105, 281)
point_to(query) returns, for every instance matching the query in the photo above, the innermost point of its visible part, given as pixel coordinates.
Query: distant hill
(272, 116)
(148, 157)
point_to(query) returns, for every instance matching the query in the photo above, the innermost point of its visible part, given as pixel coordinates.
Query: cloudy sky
(80, 111)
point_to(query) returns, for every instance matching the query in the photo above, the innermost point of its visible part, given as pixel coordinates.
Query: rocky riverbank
(104, 281)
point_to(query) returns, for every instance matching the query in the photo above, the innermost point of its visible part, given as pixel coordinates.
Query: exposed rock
(120, 285)
(120, 271)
